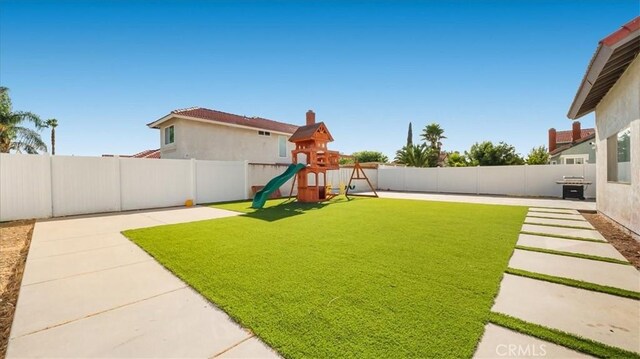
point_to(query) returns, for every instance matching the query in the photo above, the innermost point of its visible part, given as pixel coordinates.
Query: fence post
(119, 173)
(51, 182)
(526, 189)
(194, 180)
(247, 189)
(477, 179)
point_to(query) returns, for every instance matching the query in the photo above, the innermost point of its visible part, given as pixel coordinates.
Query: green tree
(410, 136)
(455, 159)
(538, 156)
(488, 154)
(13, 135)
(433, 134)
(52, 123)
(365, 156)
(419, 155)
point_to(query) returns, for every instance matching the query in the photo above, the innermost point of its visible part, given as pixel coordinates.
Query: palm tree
(414, 155)
(433, 134)
(13, 136)
(52, 123)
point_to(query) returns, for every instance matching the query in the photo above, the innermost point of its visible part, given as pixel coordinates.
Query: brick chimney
(576, 131)
(311, 117)
(552, 139)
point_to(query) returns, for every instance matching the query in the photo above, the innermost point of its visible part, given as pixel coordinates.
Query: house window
(282, 146)
(264, 133)
(619, 157)
(574, 159)
(169, 135)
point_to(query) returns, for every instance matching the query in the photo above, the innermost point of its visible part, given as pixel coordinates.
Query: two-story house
(206, 134)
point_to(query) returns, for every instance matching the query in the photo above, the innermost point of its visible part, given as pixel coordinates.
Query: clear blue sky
(484, 70)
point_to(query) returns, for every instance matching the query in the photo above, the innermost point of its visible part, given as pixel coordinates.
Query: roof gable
(611, 59)
(317, 131)
(223, 118)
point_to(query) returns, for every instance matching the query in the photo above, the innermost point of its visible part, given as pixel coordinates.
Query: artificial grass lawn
(365, 278)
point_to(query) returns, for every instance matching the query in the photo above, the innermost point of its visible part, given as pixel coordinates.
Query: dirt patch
(622, 241)
(15, 238)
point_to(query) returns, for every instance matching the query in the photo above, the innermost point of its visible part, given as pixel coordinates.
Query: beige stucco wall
(617, 110)
(207, 141)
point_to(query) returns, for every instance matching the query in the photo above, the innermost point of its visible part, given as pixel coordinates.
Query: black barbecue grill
(573, 186)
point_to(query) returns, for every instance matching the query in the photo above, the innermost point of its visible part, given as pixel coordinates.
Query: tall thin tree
(410, 136)
(52, 123)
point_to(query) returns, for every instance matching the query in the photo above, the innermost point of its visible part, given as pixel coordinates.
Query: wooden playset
(311, 150)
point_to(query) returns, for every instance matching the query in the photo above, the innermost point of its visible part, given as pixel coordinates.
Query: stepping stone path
(606, 318)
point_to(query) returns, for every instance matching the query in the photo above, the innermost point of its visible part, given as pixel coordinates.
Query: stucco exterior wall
(584, 148)
(617, 110)
(207, 141)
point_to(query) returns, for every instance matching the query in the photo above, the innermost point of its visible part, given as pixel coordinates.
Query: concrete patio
(87, 291)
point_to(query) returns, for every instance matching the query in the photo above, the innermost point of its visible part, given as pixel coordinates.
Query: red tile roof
(566, 146)
(566, 136)
(219, 116)
(148, 154)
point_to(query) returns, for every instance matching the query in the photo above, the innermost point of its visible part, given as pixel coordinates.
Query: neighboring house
(206, 134)
(611, 88)
(575, 146)
(144, 154)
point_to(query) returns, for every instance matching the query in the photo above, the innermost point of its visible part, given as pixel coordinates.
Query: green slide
(262, 195)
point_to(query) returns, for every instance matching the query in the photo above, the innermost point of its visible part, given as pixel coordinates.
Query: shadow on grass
(284, 210)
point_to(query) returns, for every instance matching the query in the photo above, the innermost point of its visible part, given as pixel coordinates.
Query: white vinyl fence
(530, 181)
(40, 186)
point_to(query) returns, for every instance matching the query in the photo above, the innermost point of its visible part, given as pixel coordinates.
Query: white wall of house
(210, 141)
(619, 109)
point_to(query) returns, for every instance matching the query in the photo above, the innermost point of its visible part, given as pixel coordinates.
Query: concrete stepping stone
(598, 272)
(575, 217)
(553, 210)
(558, 222)
(560, 231)
(601, 317)
(499, 342)
(178, 324)
(569, 245)
(52, 303)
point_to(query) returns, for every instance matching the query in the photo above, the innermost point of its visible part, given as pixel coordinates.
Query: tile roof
(219, 116)
(567, 136)
(148, 154)
(567, 146)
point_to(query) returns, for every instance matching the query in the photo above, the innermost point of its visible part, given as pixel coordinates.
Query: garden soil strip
(15, 238)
